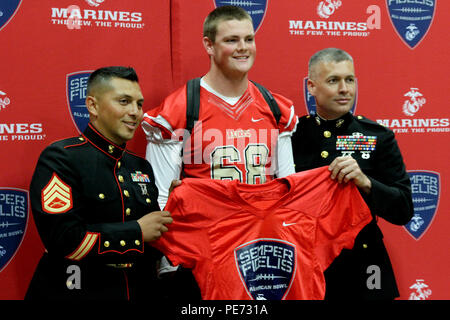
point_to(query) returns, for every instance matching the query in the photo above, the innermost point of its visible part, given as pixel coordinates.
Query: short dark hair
(106, 73)
(223, 13)
(327, 55)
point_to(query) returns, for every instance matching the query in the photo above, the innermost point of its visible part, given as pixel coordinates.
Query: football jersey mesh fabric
(242, 136)
(268, 241)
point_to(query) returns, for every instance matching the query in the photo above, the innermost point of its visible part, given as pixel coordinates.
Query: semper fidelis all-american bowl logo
(266, 268)
(411, 19)
(256, 9)
(8, 9)
(76, 89)
(310, 101)
(425, 188)
(14, 204)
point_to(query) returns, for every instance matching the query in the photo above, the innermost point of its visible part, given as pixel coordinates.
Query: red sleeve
(343, 214)
(288, 120)
(170, 116)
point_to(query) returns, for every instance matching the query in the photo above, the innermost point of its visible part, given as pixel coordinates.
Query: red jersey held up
(265, 242)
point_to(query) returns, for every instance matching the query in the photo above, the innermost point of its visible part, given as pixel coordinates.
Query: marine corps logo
(411, 20)
(4, 100)
(422, 290)
(415, 102)
(94, 3)
(266, 268)
(328, 7)
(14, 204)
(256, 9)
(425, 187)
(76, 88)
(7, 11)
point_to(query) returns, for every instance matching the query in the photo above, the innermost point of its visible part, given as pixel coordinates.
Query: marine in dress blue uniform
(317, 143)
(361, 151)
(87, 195)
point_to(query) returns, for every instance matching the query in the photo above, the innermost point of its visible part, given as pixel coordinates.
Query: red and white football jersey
(270, 241)
(229, 141)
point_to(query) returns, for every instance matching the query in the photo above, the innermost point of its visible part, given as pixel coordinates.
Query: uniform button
(118, 164)
(122, 243)
(126, 193)
(106, 244)
(81, 138)
(327, 134)
(148, 200)
(364, 245)
(128, 211)
(101, 196)
(360, 117)
(324, 154)
(110, 149)
(121, 178)
(137, 242)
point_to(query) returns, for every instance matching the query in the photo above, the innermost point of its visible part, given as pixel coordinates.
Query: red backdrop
(401, 64)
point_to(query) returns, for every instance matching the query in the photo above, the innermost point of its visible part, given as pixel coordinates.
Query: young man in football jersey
(237, 135)
(360, 151)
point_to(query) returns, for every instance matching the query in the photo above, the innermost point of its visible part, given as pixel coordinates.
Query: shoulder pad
(364, 119)
(134, 154)
(371, 123)
(304, 118)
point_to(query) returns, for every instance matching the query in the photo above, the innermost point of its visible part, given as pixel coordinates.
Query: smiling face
(233, 50)
(333, 84)
(116, 109)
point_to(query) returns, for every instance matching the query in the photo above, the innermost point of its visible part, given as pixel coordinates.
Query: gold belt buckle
(120, 265)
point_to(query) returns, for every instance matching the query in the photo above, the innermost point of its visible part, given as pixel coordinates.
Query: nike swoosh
(288, 224)
(257, 120)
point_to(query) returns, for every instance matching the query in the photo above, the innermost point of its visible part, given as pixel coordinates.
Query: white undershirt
(230, 100)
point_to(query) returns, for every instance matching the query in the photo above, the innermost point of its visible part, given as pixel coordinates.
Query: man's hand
(153, 224)
(175, 183)
(345, 169)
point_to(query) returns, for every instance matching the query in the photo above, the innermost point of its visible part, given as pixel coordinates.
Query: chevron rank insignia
(56, 197)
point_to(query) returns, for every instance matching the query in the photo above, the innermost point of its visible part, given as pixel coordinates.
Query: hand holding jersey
(153, 224)
(345, 169)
